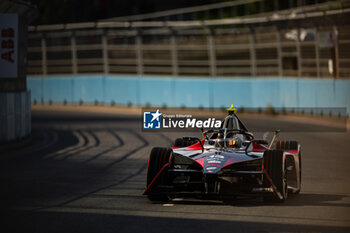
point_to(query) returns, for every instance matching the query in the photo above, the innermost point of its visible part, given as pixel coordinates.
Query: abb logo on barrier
(7, 43)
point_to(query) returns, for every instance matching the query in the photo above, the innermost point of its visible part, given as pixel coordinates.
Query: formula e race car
(228, 162)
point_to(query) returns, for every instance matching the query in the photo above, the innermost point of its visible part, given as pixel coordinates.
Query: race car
(226, 163)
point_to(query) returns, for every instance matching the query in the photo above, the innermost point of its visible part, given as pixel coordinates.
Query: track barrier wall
(15, 116)
(190, 92)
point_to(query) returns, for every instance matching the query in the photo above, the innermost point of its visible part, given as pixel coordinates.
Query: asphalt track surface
(85, 172)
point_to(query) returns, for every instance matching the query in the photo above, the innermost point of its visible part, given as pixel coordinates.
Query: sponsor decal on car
(214, 161)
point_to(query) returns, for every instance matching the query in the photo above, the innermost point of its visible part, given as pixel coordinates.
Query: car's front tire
(292, 145)
(275, 167)
(158, 158)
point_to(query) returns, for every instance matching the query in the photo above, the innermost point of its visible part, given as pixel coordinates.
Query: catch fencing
(241, 47)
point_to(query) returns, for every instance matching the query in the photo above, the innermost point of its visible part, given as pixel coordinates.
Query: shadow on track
(302, 199)
(33, 180)
(47, 221)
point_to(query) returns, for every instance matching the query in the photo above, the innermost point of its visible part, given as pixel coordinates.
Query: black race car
(228, 162)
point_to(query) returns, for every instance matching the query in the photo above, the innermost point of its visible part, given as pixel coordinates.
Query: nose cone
(214, 162)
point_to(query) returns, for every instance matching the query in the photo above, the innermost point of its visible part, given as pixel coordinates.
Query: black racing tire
(180, 142)
(158, 158)
(287, 145)
(292, 145)
(275, 167)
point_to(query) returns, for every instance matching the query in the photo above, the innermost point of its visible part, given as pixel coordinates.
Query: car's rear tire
(275, 167)
(158, 158)
(287, 145)
(180, 142)
(292, 145)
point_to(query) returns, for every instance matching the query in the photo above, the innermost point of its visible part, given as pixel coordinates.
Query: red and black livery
(228, 162)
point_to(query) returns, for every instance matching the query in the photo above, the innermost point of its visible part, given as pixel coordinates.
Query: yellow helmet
(231, 110)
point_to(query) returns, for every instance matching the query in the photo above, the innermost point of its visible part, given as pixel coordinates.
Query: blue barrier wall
(191, 92)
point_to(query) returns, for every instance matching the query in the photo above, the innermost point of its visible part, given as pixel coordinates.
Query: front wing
(247, 178)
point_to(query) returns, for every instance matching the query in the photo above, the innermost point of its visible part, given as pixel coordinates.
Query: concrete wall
(191, 92)
(15, 117)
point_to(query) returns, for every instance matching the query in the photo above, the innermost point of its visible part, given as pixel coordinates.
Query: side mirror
(195, 139)
(259, 141)
(191, 138)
